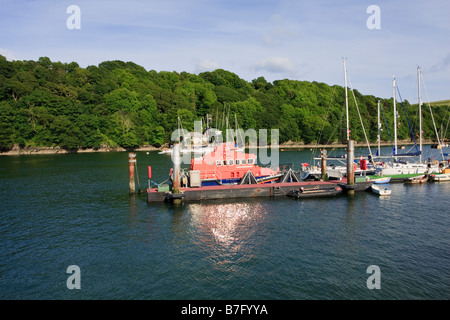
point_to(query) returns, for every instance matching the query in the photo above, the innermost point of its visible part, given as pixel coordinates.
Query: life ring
(436, 162)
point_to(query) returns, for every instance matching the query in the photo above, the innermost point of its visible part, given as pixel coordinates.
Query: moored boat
(381, 189)
(314, 192)
(416, 180)
(440, 177)
(227, 165)
(382, 180)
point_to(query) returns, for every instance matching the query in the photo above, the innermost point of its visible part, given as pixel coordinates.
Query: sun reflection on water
(229, 232)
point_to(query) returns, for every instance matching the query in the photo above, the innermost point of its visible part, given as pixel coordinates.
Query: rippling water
(74, 209)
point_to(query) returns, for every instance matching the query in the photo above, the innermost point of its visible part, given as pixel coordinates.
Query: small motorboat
(440, 177)
(381, 189)
(416, 180)
(314, 192)
(381, 180)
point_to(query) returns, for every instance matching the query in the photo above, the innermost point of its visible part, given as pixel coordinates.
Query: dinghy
(416, 179)
(314, 192)
(381, 189)
(381, 180)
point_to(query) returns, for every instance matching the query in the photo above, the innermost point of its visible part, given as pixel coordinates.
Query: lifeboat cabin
(226, 165)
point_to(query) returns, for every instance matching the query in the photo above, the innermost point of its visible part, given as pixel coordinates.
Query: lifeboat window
(218, 163)
(250, 161)
(230, 162)
(238, 162)
(243, 161)
(224, 162)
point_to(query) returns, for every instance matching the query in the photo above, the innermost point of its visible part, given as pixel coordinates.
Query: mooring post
(350, 166)
(131, 162)
(324, 164)
(176, 160)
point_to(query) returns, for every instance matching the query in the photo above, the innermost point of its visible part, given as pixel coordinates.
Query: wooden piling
(176, 160)
(131, 168)
(324, 164)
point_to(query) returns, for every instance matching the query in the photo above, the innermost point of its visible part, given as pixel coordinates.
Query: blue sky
(294, 39)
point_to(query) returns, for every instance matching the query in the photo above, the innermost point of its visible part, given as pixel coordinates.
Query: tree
(45, 103)
(122, 99)
(6, 126)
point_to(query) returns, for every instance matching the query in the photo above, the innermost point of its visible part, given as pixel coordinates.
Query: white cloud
(275, 65)
(9, 55)
(206, 65)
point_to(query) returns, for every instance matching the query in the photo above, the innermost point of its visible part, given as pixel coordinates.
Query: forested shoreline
(121, 105)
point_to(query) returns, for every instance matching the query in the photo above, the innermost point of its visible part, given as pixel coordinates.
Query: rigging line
(336, 128)
(324, 120)
(407, 119)
(444, 135)
(387, 128)
(360, 118)
(446, 128)
(432, 117)
(329, 105)
(385, 122)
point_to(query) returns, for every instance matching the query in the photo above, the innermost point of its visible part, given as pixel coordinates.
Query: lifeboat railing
(213, 174)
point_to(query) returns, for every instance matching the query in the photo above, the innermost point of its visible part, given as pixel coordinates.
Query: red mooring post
(131, 166)
(350, 168)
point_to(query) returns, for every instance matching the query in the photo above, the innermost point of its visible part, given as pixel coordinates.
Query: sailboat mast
(420, 114)
(395, 118)
(346, 99)
(379, 130)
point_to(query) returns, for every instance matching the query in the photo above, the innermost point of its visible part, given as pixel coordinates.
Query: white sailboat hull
(409, 168)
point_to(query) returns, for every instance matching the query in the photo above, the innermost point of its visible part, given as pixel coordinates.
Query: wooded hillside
(121, 104)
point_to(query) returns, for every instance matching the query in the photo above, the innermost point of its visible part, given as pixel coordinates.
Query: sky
(275, 39)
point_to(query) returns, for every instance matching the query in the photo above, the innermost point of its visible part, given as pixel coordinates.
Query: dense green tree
(120, 104)
(122, 99)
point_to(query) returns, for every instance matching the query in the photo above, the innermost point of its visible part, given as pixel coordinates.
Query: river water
(74, 209)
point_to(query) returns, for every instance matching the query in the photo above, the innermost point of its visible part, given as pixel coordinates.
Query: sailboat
(337, 172)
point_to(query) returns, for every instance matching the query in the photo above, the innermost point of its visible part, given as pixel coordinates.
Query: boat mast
(379, 130)
(420, 114)
(346, 100)
(395, 119)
